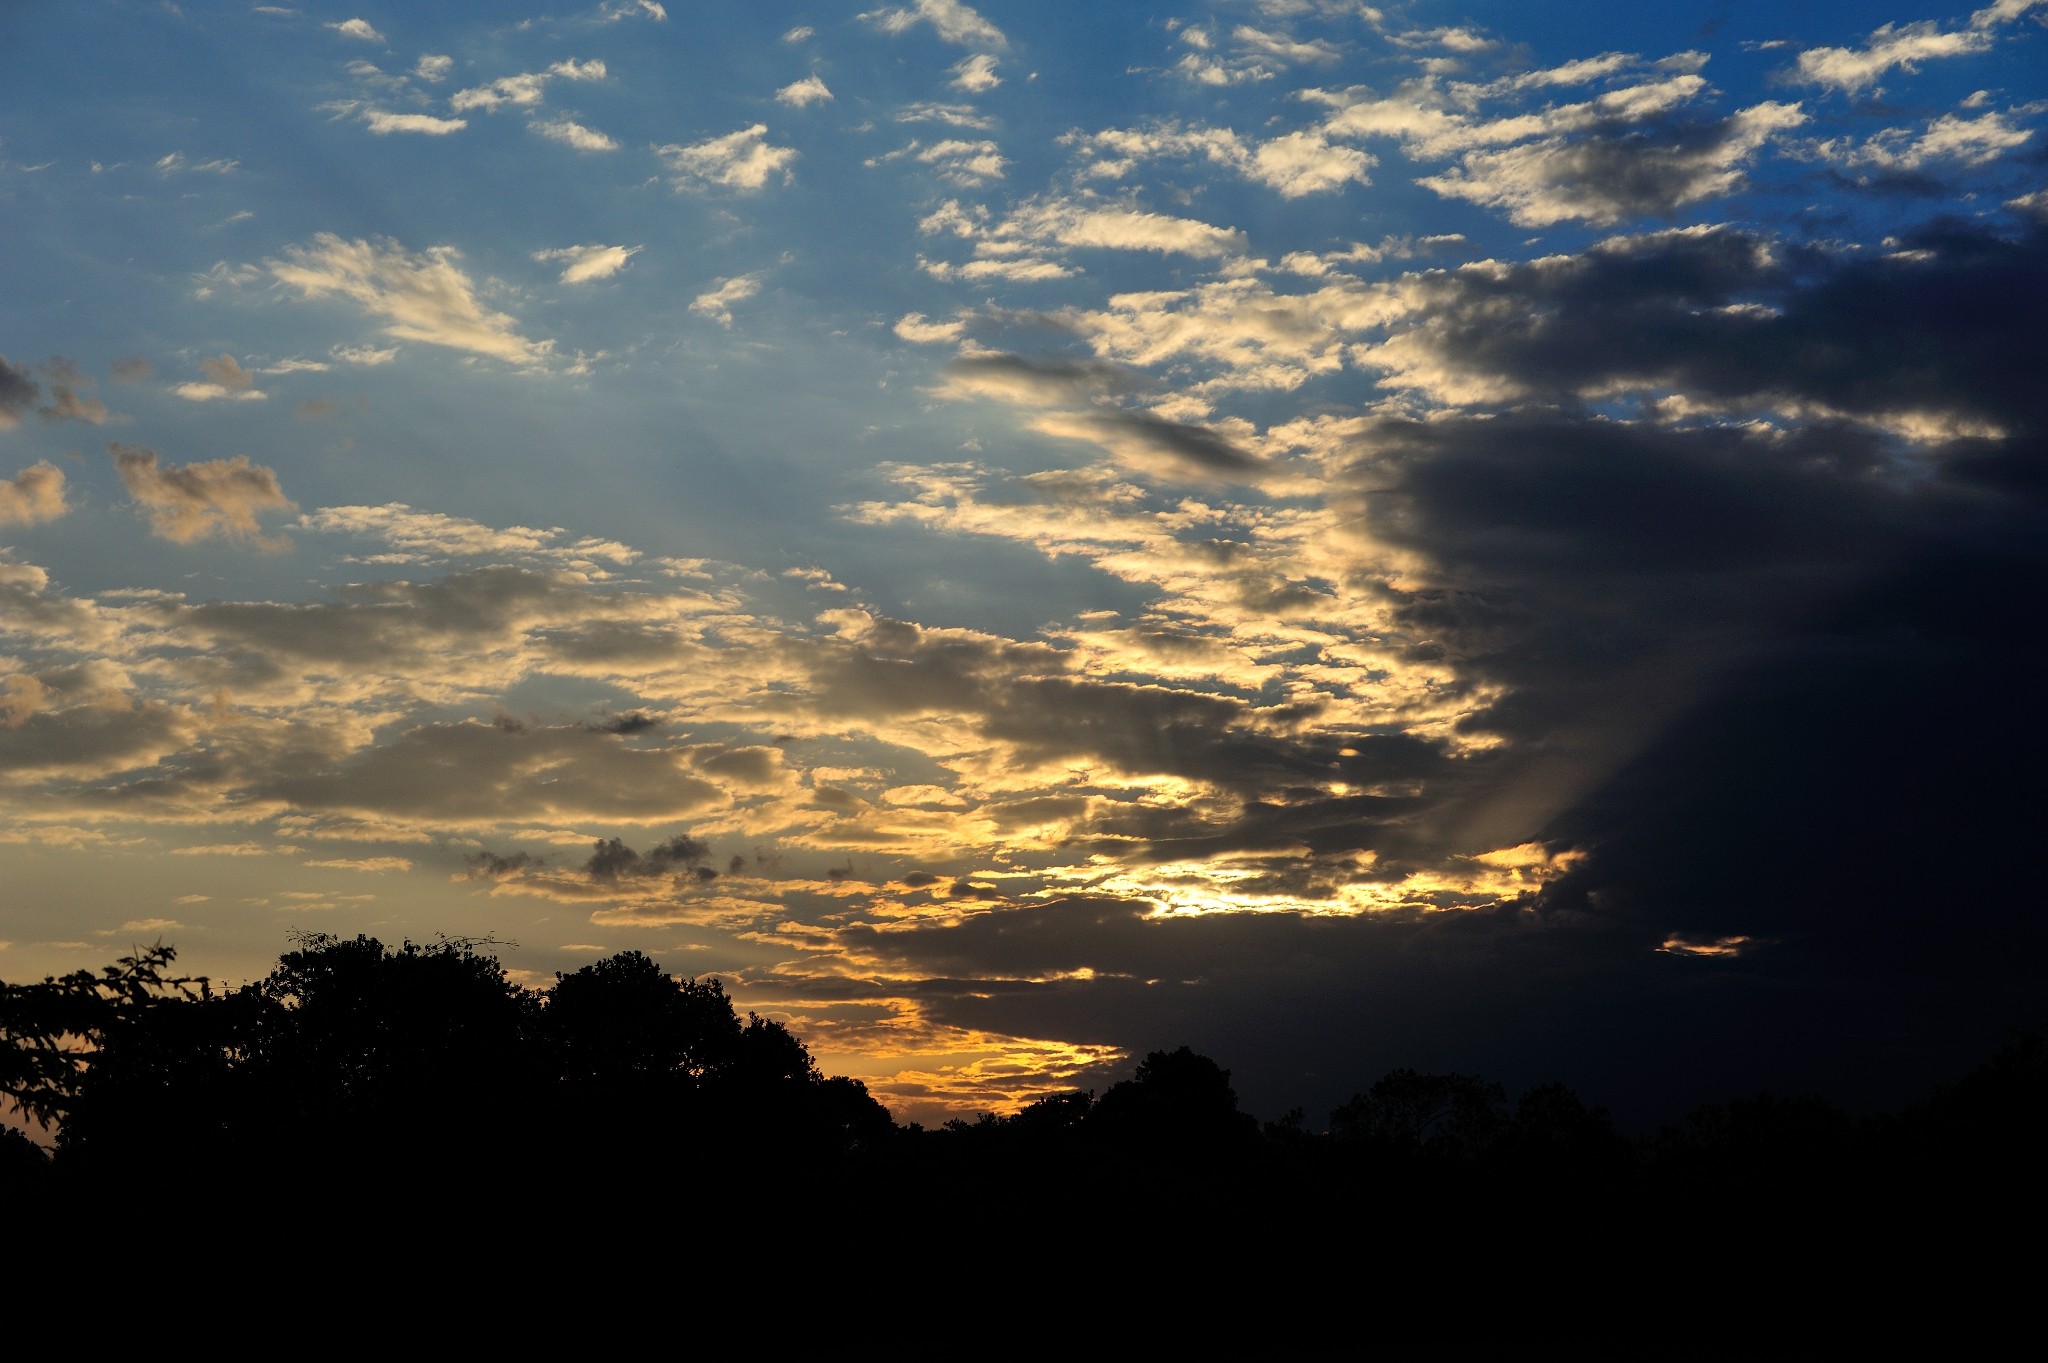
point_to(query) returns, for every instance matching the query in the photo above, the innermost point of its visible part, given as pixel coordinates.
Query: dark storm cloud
(613, 860)
(18, 393)
(494, 866)
(1942, 325)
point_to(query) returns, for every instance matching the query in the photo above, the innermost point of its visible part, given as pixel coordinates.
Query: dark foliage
(418, 1091)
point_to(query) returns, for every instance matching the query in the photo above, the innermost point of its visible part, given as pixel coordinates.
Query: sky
(1480, 537)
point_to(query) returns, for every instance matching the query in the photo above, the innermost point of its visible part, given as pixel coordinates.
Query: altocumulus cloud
(34, 495)
(740, 160)
(203, 500)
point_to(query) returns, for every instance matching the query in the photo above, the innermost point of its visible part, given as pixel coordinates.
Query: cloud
(381, 123)
(225, 379)
(422, 296)
(739, 160)
(372, 864)
(18, 393)
(424, 533)
(589, 263)
(961, 162)
(214, 498)
(1608, 176)
(1296, 164)
(915, 328)
(953, 115)
(133, 370)
(356, 28)
(573, 134)
(33, 496)
(1150, 444)
(809, 90)
(1715, 318)
(975, 74)
(475, 774)
(525, 89)
(1850, 69)
(952, 21)
(1045, 223)
(716, 303)
(433, 68)
(1964, 141)
(627, 9)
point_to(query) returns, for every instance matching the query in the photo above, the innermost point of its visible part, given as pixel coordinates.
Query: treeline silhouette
(354, 1068)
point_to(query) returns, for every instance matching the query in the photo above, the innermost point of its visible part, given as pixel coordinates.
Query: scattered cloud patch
(33, 496)
(716, 303)
(573, 134)
(421, 296)
(225, 379)
(525, 89)
(951, 20)
(381, 122)
(975, 74)
(809, 90)
(744, 160)
(208, 499)
(587, 264)
(356, 28)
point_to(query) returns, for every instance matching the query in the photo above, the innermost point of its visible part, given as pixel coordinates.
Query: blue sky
(1343, 535)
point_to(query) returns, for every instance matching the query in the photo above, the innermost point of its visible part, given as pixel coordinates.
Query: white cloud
(526, 88)
(717, 303)
(975, 74)
(625, 9)
(1850, 69)
(739, 160)
(382, 122)
(2003, 12)
(586, 264)
(1970, 141)
(953, 21)
(964, 163)
(431, 532)
(225, 378)
(433, 68)
(364, 355)
(1125, 229)
(573, 134)
(202, 500)
(33, 496)
(1295, 164)
(357, 28)
(809, 90)
(915, 328)
(954, 115)
(422, 296)
(798, 34)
